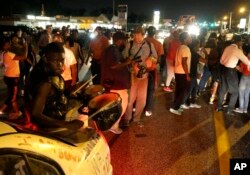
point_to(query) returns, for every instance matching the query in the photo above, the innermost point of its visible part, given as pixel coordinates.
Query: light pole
(230, 20)
(113, 13)
(224, 23)
(248, 24)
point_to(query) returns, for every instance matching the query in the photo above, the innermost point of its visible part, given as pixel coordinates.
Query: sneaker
(230, 113)
(140, 124)
(125, 123)
(167, 89)
(177, 112)
(21, 93)
(162, 84)
(218, 109)
(181, 109)
(148, 113)
(245, 111)
(184, 106)
(225, 105)
(198, 94)
(238, 110)
(116, 130)
(194, 105)
(13, 116)
(211, 101)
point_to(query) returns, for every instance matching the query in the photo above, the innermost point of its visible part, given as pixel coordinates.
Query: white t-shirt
(11, 66)
(69, 60)
(231, 55)
(182, 52)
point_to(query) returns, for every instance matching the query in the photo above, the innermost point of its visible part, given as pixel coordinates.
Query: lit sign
(156, 17)
(243, 22)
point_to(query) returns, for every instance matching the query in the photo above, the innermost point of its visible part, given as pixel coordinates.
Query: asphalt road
(200, 142)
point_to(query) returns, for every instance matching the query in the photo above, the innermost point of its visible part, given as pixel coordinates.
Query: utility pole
(230, 20)
(248, 24)
(42, 10)
(113, 13)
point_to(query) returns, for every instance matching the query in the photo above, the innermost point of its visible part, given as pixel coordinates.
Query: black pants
(67, 89)
(12, 86)
(229, 83)
(150, 91)
(182, 90)
(96, 70)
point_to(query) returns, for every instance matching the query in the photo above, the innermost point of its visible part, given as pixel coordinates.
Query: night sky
(203, 9)
(169, 8)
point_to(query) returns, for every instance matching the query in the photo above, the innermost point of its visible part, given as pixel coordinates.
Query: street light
(243, 10)
(113, 13)
(230, 20)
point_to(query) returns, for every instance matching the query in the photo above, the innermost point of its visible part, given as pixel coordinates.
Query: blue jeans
(205, 76)
(193, 90)
(244, 91)
(229, 83)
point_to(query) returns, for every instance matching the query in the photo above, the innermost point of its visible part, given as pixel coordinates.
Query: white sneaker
(184, 106)
(13, 116)
(177, 112)
(181, 109)
(212, 99)
(116, 130)
(162, 84)
(245, 111)
(238, 110)
(194, 105)
(148, 113)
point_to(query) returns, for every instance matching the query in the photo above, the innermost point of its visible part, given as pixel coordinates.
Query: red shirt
(98, 46)
(245, 70)
(173, 46)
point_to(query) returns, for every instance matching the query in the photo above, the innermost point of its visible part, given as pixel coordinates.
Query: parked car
(29, 152)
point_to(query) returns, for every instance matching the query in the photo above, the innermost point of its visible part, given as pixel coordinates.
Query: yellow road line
(223, 145)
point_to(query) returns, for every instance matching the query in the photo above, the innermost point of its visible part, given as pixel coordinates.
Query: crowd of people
(197, 62)
(46, 70)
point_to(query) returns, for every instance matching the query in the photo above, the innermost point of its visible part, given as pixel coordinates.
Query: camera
(142, 70)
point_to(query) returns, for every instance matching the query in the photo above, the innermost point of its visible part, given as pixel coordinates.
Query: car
(58, 152)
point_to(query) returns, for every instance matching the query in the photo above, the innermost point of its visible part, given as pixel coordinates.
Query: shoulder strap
(131, 44)
(150, 48)
(130, 47)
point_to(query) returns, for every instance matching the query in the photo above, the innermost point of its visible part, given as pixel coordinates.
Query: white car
(28, 152)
